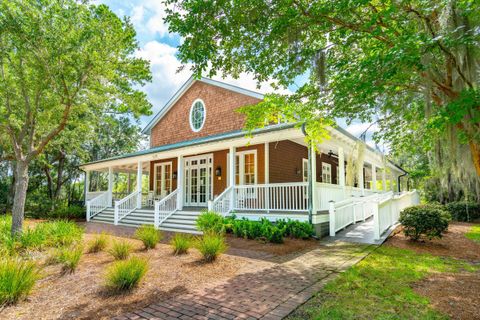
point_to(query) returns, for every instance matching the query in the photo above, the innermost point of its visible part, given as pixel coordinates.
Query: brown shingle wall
(221, 117)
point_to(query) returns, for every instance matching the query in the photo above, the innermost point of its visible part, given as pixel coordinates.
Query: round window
(197, 115)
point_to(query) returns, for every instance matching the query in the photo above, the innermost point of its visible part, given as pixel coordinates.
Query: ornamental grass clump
(99, 243)
(69, 257)
(181, 243)
(210, 222)
(125, 275)
(120, 250)
(149, 236)
(17, 278)
(211, 245)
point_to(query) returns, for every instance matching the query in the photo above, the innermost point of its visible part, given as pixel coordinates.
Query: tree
(411, 67)
(61, 63)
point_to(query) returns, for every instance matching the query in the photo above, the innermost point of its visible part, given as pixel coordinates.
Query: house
(200, 157)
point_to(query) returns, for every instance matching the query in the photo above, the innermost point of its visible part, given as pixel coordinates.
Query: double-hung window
(326, 172)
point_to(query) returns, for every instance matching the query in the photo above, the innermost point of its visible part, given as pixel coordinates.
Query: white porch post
(341, 169)
(86, 185)
(110, 186)
(139, 184)
(267, 175)
(374, 178)
(361, 182)
(313, 181)
(232, 177)
(180, 182)
(384, 179)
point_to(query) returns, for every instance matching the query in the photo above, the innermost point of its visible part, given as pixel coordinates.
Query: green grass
(211, 246)
(149, 236)
(125, 275)
(17, 278)
(379, 287)
(69, 257)
(99, 243)
(120, 250)
(181, 243)
(474, 234)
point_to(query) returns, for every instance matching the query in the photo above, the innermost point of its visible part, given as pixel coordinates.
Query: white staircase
(179, 221)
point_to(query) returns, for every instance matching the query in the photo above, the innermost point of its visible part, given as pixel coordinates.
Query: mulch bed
(455, 294)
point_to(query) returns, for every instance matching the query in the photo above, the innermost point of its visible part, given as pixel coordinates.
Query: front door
(163, 179)
(198, 180)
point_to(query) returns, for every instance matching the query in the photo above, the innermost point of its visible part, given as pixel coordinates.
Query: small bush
(181, 243)
(149, 236)
(17, 278)
(120, 250)
(125, 275)
(211, 246)
(464, 210)
(424, 221)
(210, 221)
(296, 229)
(69, 257)
(32, 239)
(71, 212)
(98, 244)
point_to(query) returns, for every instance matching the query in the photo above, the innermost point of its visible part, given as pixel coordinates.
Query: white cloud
(138, 14)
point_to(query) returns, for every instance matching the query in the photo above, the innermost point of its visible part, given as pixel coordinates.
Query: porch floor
(361, 232)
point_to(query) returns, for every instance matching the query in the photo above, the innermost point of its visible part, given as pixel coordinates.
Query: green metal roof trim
(198, 141)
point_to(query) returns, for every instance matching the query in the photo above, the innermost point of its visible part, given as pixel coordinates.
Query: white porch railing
(222, 203)
(165, 208)
(124, 206)
(292, 197)
(97, 204)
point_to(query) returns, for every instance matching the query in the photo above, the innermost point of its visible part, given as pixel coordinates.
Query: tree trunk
(21, 185)
(475, 149)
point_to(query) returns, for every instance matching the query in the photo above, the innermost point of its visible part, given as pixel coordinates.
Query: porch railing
(222, 203)
(97, 204)
(290, 197)
(125, 206)
(165, 208)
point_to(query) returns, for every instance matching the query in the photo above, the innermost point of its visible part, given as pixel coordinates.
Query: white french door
(198, 180)
(163, 179)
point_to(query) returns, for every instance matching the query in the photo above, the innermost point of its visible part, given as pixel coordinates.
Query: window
(163, 179)
(305, 170)
(326, 172)
(197, 115)
(245, 167)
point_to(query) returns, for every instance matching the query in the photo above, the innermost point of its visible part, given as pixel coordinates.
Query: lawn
(399, 283)
(474, 234)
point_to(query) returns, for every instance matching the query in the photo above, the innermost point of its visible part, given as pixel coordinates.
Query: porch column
(392, 181)
(313, 179)
(231, 176)
(341, 169)
(361, 182)
(180, 182)
(267, 175)
(139, 184)
(110, 185)
(384, 179)
(86, 186)
(374, 178)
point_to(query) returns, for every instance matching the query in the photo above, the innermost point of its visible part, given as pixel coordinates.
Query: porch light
(174, 175)
(218, 171)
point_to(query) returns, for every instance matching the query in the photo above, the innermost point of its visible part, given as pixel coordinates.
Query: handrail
(97, 205)
(221, 204)
(125, 206)
(165, 208)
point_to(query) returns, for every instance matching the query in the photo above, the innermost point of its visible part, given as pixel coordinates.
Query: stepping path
(271, 293)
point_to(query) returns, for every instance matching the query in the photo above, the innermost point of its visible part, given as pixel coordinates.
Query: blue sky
(159, 47)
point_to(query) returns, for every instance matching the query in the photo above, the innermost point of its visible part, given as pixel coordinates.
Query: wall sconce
(174, 176)
(218, 171)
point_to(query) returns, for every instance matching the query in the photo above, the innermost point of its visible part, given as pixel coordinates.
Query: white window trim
(329, 174)
(204, 115)
(241, 166)
(304, 165)
(156, 172)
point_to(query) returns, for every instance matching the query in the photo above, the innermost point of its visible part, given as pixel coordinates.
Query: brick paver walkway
(272, 293)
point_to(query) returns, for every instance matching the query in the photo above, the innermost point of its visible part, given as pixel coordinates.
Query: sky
(160, 47)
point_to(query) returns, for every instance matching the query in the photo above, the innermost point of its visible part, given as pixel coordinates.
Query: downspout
(398, 182)
(310, 189)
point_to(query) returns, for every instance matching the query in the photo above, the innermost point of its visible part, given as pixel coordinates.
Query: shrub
(424, 220)
(69, 257)
(70, 212)
(17, 278)
(210, 221)
(125, 275)
(120, 250)
(464, 210)
(296, 229)
(98, 244)
(211, 246)
(148, 235)
(181, 243)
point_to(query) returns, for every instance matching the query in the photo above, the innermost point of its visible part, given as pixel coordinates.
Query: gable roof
(187, 86)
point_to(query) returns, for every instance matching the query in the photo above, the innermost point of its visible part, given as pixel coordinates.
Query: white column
(231, 176)
(139, 184)
(313, 181)
(110, 185)
(384, 180)
(267, 175)
(341, 169)
(392, 181)
(87, 184)
(374, 177)
(180, 182)
(361, 182)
